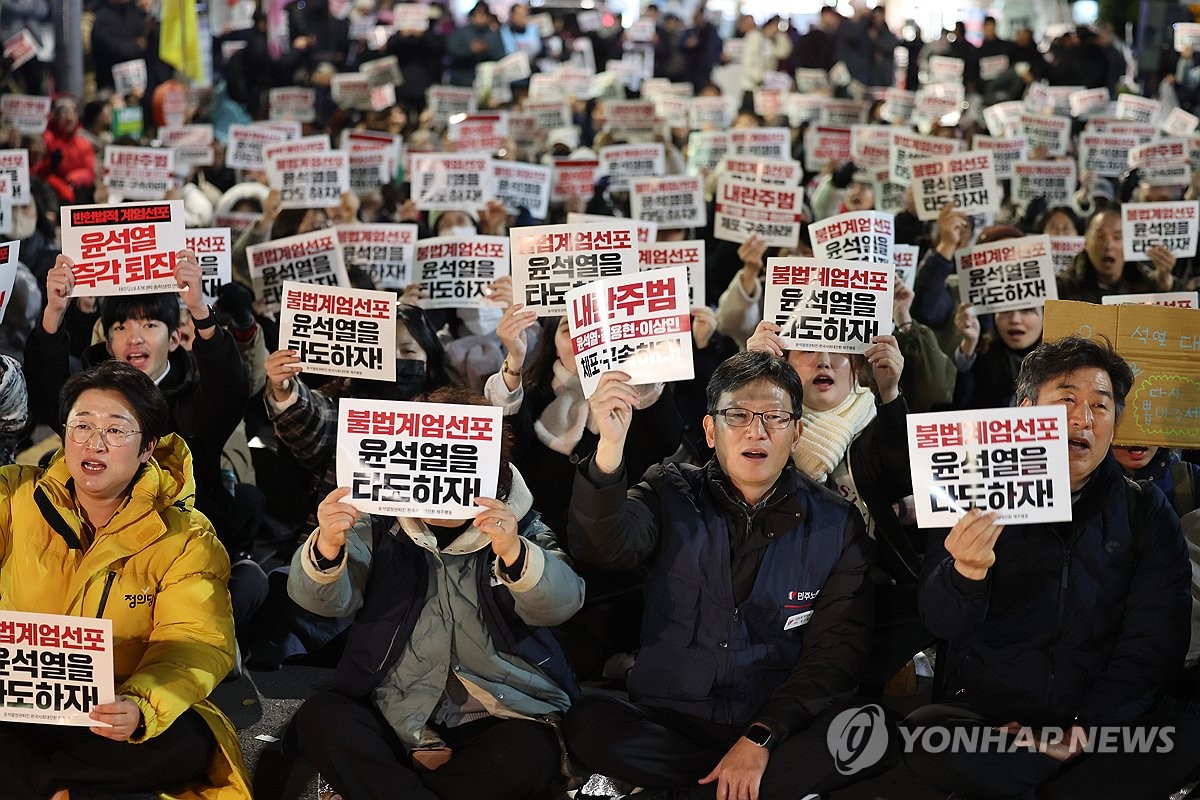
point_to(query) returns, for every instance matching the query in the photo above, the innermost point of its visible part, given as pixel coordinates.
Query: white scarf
(561, 425)
(827, 434)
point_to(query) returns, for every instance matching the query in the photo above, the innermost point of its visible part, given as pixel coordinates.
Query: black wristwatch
(760, 735)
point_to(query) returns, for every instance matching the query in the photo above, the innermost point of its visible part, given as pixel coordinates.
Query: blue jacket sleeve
(932, 304)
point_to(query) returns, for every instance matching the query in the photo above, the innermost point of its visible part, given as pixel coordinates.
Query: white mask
(462, 230)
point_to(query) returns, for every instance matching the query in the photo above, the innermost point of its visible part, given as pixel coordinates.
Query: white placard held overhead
(382, 250)
(1170, 225)
(550, 260)
(456, 271)
(1166, 299)
(1007, 275)
(451, 182)
(123, 249)
(348, 333)
(854, 236)
(744, 208)
(214, 250)
(965, 180)
(689, 255)
(835, 306)
(672, 203)
(314, 257)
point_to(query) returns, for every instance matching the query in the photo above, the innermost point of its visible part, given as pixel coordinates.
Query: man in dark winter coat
(1062, 635)
(758, 604)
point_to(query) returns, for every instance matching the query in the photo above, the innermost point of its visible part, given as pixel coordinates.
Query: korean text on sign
(673, 202)
(1007, 275)
(745, 208)
(418, 459)
(139, 173)
(638, 324)
(458, 182)
(118, 249)
(965, 180)
(689, 255)
(1009, 460)
(214, 250)
(550, 260)
(314, 257)
(382, 250)
(456, 272)
(835, 306)
(350, 333)
(54, 670)
(309, 180)
(1170, 225)
(854, 236)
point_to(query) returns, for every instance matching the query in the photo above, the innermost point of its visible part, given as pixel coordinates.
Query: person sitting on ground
(450, 684)
(1056, 628)
(758, 608)
(109, 521)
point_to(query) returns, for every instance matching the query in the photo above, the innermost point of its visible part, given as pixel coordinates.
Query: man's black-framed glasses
(742, 417)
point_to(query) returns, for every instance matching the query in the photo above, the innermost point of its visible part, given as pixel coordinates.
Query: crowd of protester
(461, 646)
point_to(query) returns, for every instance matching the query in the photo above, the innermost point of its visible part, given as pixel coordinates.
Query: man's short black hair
(746, 368)
(163, 306)
(1066, 355)
(143, 395)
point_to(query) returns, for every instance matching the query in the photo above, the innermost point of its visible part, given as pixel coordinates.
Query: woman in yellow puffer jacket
(108, 530)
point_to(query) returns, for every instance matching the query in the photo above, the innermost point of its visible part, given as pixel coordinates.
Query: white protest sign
(1119, 127)
(904, 259)
(889, 196)
(314, 257)
(1053, 180)
(772, 143)
(27, 114)
(14, 171)
(992, 67)
(1185, 35)
(854, 236)
(842, 113)
(479, 132)
(1104, 154)
(802, 108)
(350, 90)
(629, 116)
(1158, 151)
(1012, 461)
(1168, 299)
(405, 459)
(382, 250)
(944, 69)
(309, 180)
(709, 113)
(1180, 123)
(514, 67)
(822, 145)
(520, 185)
(705, 149)
(454, 182)
(292, 102)
(966, 180)
(673, 202)
(834, 306)
(192, 144)
(573, 179)
(1169, 173)
(639, 324)
(1170, 225)
(1037, 99)
(1049, 132)
(809, 80)
(688, 254)
(129, 77)
(214, 250)
(870, 145)
(348, 333)
(1137, 109)
(456, 271)
(246, 143)
(19, 49)
(1004, 119)
(624, 162)
(744, 208)
(550, 260)
(905, 148)
(1007, 275)
(57, 668)
(898, 105)
(1085, 101)
(410, 17)
(369, 170)
(10, 254)
(1005, 153)
(238, 222)
(938, 104)
(123, 249)
(783, 173)
(647, 231)
(139, 173)
(448, 101)
(1063, 250)
(382, 72)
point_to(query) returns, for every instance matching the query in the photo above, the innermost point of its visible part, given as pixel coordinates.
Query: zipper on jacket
(1062, 610)
(112, 576)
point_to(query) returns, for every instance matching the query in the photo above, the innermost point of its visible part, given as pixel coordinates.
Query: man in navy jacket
(1062, 634)
(758, 605)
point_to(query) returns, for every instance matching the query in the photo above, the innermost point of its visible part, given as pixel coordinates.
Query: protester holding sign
(1040, 655)
(108, 530)
(1102, 269)
(448, 654)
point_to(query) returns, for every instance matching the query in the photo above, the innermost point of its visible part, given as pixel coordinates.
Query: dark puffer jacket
(1076, 620)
